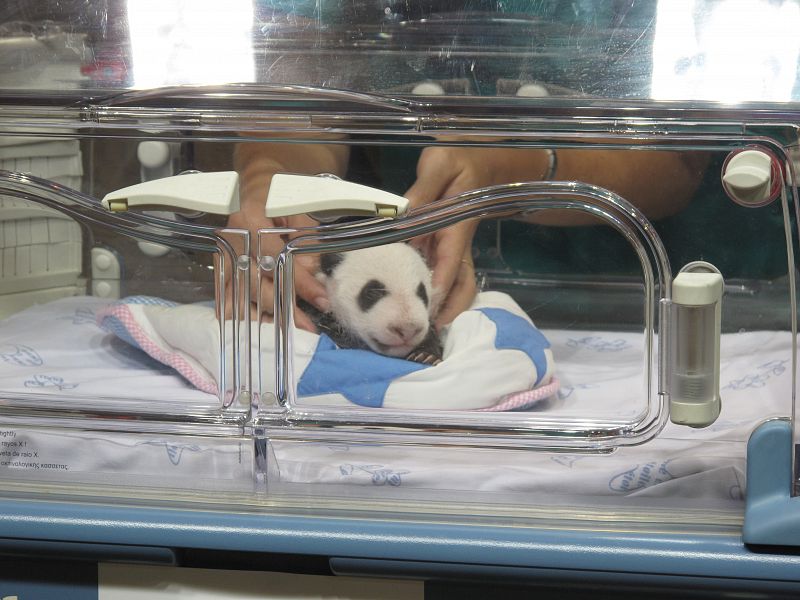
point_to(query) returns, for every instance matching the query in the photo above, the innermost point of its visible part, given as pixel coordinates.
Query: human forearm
(658, 183)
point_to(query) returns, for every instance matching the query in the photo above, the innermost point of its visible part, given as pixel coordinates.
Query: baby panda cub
(380, 300)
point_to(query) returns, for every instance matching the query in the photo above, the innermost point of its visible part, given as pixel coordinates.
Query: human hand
(443, 172)
(306, 285)
(256, 164)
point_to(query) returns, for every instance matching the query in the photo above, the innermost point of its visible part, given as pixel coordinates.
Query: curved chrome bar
(490, 201)
(189, 236)
(499, 201)
(85, 208)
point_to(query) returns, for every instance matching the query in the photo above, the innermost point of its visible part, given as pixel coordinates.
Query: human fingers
(430, 184)
(306, 284)
(451, 245)
(434, 175)
(462, 294)
(301, 319)
(263, 288)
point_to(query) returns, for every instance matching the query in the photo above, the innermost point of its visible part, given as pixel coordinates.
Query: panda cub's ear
(329, 262)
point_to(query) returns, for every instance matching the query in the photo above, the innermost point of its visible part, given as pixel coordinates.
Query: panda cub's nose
(406, 331)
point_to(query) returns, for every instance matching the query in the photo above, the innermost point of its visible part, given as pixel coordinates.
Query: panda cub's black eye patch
(422, 293)
(369, 295)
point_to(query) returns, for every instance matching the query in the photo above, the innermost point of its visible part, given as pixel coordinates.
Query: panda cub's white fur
(380, 297)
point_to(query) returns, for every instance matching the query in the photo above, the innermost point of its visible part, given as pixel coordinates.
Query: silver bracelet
(552, 165)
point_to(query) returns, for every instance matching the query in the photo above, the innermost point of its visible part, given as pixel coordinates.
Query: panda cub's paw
(429, 352)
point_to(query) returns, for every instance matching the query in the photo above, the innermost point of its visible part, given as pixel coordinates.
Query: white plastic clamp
(215, 193)
(328, 198)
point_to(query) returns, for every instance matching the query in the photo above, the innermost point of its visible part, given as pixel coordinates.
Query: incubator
(489, 265)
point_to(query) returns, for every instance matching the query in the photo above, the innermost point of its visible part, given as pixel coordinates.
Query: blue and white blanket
(494, 358)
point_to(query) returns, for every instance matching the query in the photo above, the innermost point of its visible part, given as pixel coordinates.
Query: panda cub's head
(380, 295)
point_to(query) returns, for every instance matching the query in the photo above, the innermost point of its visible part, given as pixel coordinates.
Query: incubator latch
(328, 198)
(215, 193)
(696, 317)
(751, 177)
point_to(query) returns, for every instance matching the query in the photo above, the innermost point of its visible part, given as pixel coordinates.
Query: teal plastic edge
(772, 515)
(86, 551)
(622, 553)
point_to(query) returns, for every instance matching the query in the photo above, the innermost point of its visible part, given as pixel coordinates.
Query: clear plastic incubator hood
(383, 258)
